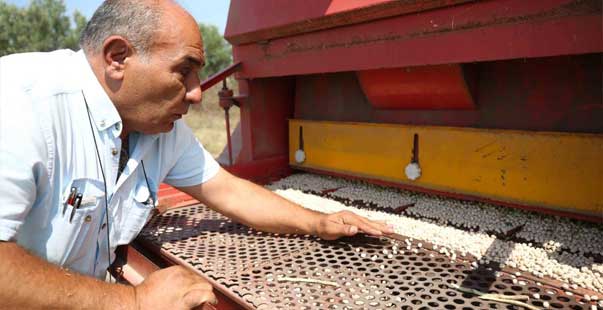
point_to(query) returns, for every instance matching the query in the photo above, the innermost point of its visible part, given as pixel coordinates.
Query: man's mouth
(179, 114)
(175, 117)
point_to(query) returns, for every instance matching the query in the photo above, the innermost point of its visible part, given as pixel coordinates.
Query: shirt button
(88, 219)
(114, 151)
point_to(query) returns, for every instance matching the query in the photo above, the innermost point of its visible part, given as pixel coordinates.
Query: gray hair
(134, 20)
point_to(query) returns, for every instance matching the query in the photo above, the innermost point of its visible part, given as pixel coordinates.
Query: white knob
(300, 156)
(413, 171)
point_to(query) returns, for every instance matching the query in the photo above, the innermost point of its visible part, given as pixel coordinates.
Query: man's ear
(115, 51)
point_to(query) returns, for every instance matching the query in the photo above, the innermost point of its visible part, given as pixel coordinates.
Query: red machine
(495, 101)
(524, 76)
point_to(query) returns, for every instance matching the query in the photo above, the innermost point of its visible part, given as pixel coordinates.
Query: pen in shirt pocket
(70, 199)
(76, 204)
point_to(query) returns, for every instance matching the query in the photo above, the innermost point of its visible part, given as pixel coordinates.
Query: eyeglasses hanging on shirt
(124, 155)
(150, 201)
(123, 160)
(100, 162)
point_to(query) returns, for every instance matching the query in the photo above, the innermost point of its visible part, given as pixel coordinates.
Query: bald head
(138, 21)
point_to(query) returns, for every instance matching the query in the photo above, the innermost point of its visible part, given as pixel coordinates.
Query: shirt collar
(104, 113)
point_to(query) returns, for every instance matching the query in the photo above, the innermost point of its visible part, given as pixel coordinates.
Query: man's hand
(257, 207)
(174, 288)
(346, 223)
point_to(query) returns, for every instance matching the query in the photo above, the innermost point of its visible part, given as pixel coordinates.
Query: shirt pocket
(74, 240)
(138, 212)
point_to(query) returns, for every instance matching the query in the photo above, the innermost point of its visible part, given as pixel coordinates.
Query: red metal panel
(556, 94)
(264, 118)
(246, 152)
(423, 87)
(253, 21)
(336, 97)
(553, 94)
(262, 171)
(488, 30)
(170, 197)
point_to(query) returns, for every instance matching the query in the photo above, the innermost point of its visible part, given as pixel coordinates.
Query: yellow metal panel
(561, 171)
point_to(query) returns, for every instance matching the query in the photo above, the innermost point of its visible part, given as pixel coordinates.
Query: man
(105, 123)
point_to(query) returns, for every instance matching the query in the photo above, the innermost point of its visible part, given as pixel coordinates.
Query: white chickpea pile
(551, 246)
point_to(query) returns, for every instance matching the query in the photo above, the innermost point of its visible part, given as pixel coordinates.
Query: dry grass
(207, 120)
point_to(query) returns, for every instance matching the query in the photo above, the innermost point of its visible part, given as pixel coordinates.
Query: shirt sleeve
(23, 160)
(17, 193)
(195, 165)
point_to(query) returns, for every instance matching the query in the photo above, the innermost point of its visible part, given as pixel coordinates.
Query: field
(207, 120)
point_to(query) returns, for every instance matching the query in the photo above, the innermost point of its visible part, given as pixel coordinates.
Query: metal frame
(245, 266)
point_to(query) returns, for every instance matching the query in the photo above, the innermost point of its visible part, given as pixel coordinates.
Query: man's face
(159, 87)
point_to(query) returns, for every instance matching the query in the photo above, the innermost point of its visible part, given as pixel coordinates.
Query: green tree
(217, 50)
(72, 40)
(42, 26)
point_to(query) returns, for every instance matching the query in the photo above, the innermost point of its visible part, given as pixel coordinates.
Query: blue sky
(212, 12)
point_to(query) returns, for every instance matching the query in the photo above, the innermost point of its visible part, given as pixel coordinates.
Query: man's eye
(185, 71)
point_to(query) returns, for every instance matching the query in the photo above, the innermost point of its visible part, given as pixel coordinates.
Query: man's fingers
(350, 230)
(197, 297)
(368, 226)
(346, 223)
(369, 229)
(380, 225)
(336, 230)
(355, 220)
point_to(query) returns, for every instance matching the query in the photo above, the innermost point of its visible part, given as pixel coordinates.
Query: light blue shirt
(47, 147)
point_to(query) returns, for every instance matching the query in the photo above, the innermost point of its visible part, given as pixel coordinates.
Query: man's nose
(193, 92)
